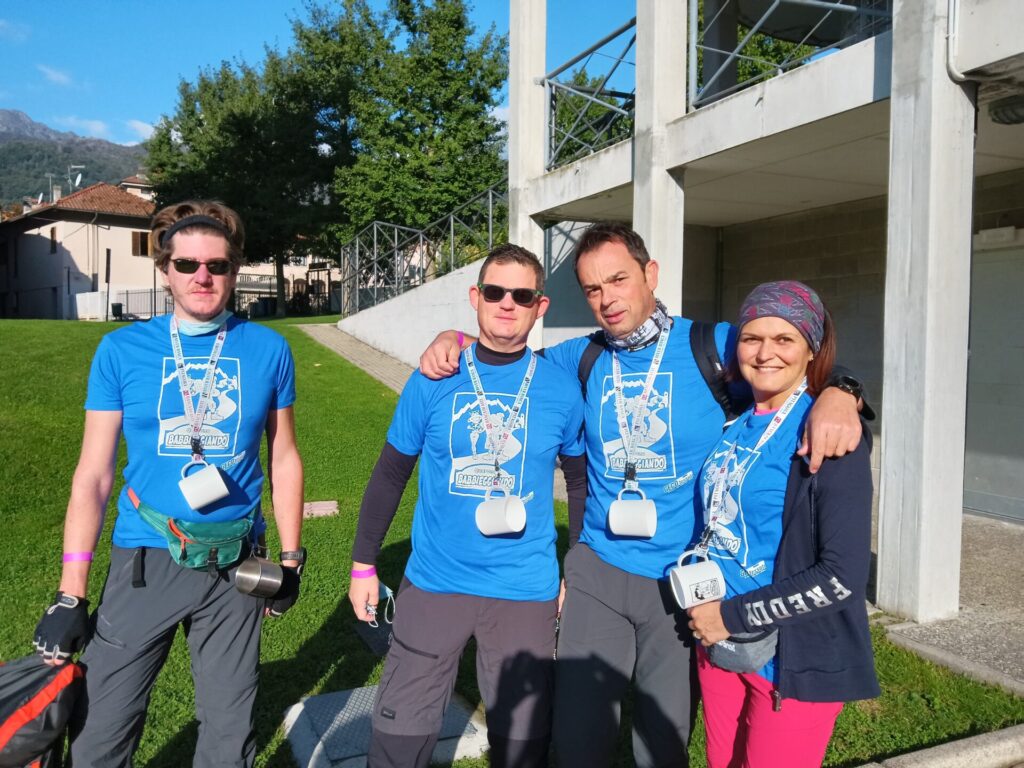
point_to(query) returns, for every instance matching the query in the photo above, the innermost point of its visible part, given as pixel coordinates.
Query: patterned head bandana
(792, 301)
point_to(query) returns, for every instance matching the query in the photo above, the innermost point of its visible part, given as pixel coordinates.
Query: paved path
(386, 369)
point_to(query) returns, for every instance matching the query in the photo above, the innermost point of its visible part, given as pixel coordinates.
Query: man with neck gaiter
(483, 560)
(194, 393)
(651, 419)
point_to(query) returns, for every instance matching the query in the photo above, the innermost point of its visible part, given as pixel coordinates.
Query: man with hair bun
(194, 393)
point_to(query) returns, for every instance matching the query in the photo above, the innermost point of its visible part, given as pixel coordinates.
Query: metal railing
(144, 302)
(384, 260)
(736, 43)
(590, 99)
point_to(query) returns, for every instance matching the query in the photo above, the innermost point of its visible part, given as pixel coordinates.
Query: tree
(250, 138)
(369, 116)
(421, 116)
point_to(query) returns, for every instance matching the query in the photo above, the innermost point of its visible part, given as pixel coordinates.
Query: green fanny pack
(200, 544)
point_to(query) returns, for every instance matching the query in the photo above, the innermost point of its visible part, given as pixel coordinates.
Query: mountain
(30, 150)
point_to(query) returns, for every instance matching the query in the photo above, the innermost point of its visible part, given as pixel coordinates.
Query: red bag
(35, 703)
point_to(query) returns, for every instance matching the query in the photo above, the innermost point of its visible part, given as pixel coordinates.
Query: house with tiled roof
(93, 240)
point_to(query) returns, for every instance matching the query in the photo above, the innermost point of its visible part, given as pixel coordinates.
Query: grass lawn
(342, 416)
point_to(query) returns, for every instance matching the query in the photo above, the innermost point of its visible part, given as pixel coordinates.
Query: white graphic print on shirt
(655, 455)
(471, 450)
(223, 414)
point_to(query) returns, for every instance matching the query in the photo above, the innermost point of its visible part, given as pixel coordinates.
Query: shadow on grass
(334, 658)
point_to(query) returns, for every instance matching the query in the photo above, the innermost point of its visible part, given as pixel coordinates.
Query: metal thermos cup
(259, 577)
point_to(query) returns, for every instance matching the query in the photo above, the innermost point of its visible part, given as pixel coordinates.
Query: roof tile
(105, 198)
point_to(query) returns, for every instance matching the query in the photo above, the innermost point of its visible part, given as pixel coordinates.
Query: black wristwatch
(297, 554)
(848, 384)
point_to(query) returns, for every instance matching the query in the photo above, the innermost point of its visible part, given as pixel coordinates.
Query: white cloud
(9, 30)
(143, 129)
(54, 75)
(95, 128)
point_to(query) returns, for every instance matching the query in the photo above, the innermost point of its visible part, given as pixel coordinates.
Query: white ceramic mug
(633, 517)
(495, 517)
(696, 583)
(203, 487)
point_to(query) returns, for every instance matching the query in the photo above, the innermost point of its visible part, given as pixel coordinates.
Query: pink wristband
(462, 339)
(75, 557)
(365, 573)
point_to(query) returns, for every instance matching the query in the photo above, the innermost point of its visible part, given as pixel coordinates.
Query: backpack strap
(589, 357)
(705, 355)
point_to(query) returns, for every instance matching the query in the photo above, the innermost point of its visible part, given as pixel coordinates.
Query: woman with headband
(790, 641)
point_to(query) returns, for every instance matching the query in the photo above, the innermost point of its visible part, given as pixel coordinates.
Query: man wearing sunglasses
(483, 560)
(194, 393)
(650, 422)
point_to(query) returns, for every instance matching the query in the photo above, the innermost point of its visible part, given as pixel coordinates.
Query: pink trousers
(744, 731)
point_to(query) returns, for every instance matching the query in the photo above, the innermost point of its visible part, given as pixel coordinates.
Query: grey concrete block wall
(840, 252)
(700, 274)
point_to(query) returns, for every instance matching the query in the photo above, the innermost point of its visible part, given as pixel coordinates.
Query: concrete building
(866, 169)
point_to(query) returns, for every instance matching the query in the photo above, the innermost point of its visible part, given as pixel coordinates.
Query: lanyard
(722, 473)
(630, 436)
(496, 441)
(196, 415)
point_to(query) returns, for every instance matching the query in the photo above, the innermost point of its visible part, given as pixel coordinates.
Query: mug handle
(687, 553)
(487, 496)
(643, 496)
(187, 467)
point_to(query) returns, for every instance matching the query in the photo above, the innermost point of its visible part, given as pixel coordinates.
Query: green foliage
(369, 116)
(419, 96)
(249, 137)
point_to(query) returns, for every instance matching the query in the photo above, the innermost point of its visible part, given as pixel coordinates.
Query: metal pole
(490, 219)
(451, 243)
(376, 255)
(357, 275)
(399, 276)
(106, 311)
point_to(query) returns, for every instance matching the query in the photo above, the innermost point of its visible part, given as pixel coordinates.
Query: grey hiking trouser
(515, 643)
(615, 623)
(134, 630)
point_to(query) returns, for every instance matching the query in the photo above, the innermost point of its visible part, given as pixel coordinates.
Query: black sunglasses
(524, 297)
(191, 266)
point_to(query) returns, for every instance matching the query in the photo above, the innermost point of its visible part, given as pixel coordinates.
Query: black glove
(64, 628)
(288, 594)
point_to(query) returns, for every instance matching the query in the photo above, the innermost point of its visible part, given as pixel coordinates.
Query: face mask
(387, 598)
(197, 329)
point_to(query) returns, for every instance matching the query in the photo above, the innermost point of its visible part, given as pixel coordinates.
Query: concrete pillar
(927, 295)
(526, 124)
(660, 98)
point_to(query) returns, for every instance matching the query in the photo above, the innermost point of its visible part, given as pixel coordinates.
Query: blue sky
(110, 69)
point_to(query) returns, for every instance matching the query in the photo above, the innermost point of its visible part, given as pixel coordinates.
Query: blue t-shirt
(750, 528)
(133, 371)
(682, 422)
(441, 422)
